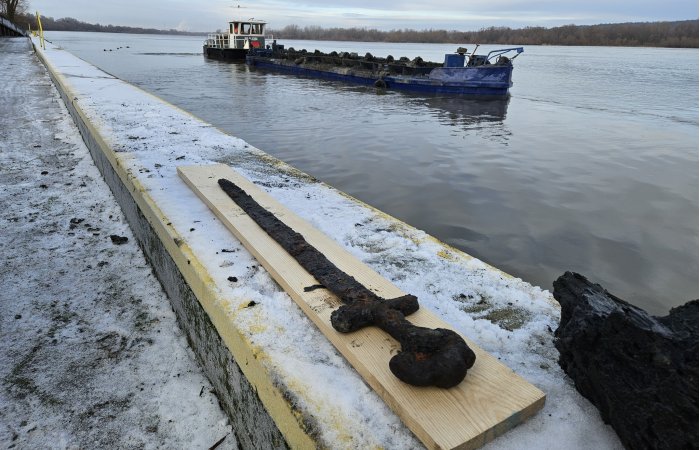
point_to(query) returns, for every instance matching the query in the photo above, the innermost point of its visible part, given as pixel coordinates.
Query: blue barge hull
(486, 79)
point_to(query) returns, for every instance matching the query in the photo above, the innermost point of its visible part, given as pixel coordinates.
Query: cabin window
(234, 28)
(245, 28)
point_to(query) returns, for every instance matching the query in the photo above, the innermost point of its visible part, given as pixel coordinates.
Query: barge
(234, 43)
(461, 73)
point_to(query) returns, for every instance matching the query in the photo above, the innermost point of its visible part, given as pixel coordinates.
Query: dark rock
(640, 371)
(417, 62)
(118, 240)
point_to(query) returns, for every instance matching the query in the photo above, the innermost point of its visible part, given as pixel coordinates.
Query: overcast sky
(202, 15)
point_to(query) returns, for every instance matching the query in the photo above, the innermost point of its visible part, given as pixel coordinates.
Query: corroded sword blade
(428, 357)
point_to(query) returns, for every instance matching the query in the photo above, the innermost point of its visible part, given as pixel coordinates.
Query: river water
(591, 165)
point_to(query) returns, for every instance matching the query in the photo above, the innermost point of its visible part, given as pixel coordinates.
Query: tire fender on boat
(380, 84)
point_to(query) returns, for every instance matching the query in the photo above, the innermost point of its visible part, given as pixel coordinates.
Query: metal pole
(41, 31)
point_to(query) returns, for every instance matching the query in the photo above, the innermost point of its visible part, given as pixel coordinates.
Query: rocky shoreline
(640, 371)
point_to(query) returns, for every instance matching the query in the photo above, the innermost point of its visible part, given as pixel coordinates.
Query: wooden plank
(490, 400)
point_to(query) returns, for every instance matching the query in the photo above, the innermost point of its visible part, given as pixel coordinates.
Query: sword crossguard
(428, 357)
(360, 314)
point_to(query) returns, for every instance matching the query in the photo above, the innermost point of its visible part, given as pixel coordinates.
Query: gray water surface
(590, 166)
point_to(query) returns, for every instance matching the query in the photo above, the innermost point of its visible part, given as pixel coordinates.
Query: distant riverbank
(677, 34)
(680, 34)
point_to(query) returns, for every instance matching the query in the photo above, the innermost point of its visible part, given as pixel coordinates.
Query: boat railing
(217, 40)
(494, 53)
(227, 40)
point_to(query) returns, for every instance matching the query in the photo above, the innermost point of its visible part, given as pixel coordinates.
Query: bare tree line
(70, 24)
(682, 34)
(646, 34)
(11, 8)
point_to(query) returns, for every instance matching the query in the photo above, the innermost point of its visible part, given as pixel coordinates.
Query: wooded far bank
(646, 34)
(70, 24)
(681, 34)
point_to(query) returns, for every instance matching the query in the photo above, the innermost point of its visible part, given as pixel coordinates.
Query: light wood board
(491, 399)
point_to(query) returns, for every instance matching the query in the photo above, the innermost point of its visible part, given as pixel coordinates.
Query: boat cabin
(241, 35)
(247, 34)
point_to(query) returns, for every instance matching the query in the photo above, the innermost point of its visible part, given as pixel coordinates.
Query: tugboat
(234, 44)
(461, 73)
